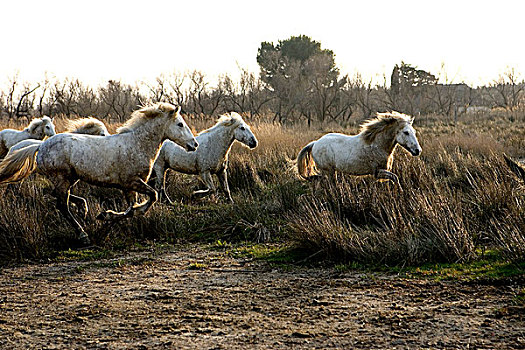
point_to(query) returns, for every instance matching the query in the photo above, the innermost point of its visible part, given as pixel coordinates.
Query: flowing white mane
(138, 118)
(86, 126)
(382, 123)
(233, 120)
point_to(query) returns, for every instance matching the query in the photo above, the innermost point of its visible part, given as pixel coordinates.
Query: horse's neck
(28, 134)
(221, 140)
(386, 142)
(149, 136)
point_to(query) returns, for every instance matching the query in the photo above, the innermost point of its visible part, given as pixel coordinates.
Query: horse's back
(343, 153)
(10, 137)
(87, 156)
(325, 150)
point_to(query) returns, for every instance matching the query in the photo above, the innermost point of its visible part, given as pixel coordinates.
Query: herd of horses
(157, 138)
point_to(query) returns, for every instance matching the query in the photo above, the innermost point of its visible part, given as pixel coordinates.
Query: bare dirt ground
(202, 299)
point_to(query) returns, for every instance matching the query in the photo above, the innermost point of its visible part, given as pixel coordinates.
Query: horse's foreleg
(208, 181)
(387, 175)
(223, 181)
(78, 201)
(62, 193)
(131, 199)
(138, 186)
(142, 187)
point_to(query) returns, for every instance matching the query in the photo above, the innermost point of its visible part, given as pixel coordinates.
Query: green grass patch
(197, 266)
(275, 253)
(83, 255)
(476, 270)
(491, 266)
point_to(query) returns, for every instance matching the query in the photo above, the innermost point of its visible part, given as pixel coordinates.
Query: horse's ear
(177, 110)
(412, 120)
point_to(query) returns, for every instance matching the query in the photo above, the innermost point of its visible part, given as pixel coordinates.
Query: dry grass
(458, 197)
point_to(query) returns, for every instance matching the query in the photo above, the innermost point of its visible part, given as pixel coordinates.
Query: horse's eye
(243, 128)
(47, 127)
(406, 132)
(180, 125)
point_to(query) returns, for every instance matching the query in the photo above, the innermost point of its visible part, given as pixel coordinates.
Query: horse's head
(179, 132)
(42, 127)
(406, 137)
(243, 133)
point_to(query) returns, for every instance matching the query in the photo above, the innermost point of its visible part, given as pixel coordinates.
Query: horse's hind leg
(81, 203)
(62, 193)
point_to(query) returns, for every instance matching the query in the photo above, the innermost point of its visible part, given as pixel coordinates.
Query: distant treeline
(298, 82)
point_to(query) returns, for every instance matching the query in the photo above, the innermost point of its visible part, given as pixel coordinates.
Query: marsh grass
(458, 199)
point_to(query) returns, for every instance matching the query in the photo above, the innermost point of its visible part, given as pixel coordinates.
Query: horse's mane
(35, 123)
(141, 116)
(79, 126)
(233, 119)
(383, 122)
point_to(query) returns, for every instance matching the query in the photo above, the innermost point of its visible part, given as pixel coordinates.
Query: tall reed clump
(24, 220)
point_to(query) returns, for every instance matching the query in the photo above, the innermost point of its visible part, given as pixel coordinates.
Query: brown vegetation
(459, 197)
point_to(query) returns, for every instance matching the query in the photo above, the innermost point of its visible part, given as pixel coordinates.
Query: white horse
(88, 126)
(123, 160)
(37, 130)
(210, 158)
(369, 152)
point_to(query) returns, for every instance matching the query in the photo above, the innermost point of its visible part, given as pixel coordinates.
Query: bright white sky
(132, 41)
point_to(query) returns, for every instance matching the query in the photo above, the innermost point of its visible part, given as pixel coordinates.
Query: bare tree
(507, 91)
(363, 92)
(197, 91)
(119, 99)
(9, 97)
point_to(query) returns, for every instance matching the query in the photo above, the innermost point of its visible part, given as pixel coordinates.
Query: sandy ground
(196, 298)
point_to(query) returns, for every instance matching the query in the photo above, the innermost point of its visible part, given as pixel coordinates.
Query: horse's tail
(305, 162)
(19, 164)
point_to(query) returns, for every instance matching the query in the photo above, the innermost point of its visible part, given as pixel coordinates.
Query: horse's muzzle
(416, 152)
(192, 146)
(253, 143)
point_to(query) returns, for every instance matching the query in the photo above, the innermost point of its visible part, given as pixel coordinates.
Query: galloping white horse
(88, 126)
(369, 152)
(37, 129)
(210, 158)
(123, 160)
